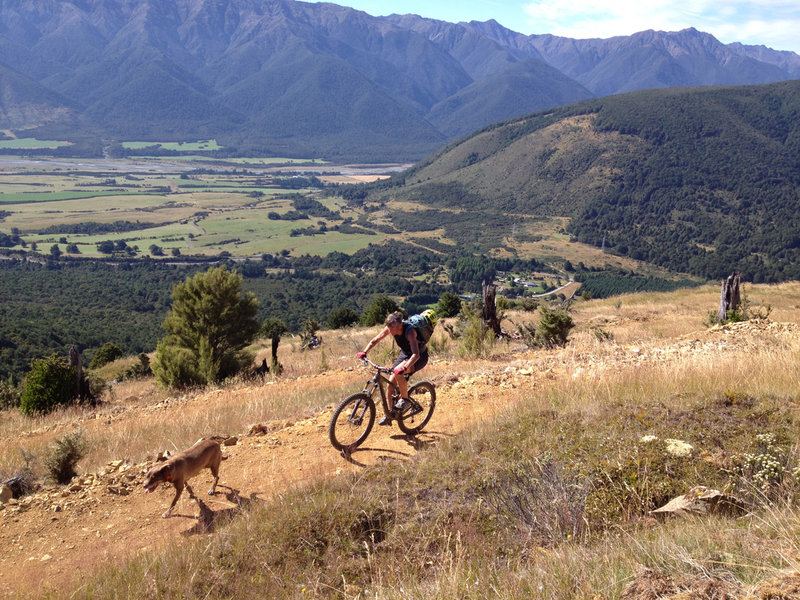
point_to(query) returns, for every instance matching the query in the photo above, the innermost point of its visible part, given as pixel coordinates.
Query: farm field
(187, 211)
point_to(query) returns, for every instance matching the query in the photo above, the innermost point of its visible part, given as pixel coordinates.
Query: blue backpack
(424, 323)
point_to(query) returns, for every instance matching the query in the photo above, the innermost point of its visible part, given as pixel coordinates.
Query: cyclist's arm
(382, 334)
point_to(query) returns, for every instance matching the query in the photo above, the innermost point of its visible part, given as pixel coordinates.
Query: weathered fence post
(489, 314)
(75, 359)
(730, 298)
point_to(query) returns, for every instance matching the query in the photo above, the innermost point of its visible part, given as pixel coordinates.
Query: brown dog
(179, 468)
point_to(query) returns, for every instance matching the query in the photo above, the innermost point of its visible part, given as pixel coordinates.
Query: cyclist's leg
(401, 382)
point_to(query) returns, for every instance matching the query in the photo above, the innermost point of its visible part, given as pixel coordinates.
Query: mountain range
(279, 77)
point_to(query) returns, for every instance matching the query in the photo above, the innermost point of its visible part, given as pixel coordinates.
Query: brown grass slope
(532, 479)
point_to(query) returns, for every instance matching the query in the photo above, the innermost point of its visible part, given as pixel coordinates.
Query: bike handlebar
(368, 362)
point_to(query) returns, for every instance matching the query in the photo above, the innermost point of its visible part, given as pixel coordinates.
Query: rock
(5, 494)
(701, 501)
(231, 441)
(258, 429)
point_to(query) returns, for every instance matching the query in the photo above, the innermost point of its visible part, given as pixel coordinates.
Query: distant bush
(108, 352)
(175, 367)
(9, 395)
(63, 456)
(449, 305)
(554, 327)
(552, 330)
(50, 383)
(341, 317)
(378, 310)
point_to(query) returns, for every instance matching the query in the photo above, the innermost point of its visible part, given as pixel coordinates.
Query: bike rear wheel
(423, 401)
(352, 421)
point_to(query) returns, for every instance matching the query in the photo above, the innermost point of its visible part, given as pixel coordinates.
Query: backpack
(424, 323)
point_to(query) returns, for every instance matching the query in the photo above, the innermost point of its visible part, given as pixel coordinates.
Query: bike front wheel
(423, 401)
(352, 421)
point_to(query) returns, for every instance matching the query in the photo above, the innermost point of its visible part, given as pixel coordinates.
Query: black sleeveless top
(405, 345)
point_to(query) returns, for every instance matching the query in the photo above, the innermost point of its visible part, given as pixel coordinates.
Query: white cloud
(774, 23)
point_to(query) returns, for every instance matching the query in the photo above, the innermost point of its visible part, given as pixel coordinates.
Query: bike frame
(377, 382)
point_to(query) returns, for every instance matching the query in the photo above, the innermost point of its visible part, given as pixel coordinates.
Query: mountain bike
(354, 417)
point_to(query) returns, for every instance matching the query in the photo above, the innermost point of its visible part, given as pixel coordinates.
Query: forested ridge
(717, 189)
(697, 180)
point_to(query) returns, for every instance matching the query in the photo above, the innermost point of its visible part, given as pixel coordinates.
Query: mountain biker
(410, 360)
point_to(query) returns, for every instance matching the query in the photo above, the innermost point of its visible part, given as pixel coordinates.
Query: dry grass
(433, 528)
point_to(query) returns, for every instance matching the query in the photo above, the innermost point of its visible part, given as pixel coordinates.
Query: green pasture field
(252, 162)
(27, 197)
(31, 144)
(198, 146)
(205, 214)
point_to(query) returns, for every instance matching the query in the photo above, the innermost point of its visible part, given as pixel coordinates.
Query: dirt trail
(64, 535)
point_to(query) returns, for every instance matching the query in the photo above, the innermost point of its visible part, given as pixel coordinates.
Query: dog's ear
(167, 470)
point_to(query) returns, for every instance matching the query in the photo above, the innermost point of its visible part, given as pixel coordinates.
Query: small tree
(449, 305)
(210, 325)
(108, 352)
(554, 327)
(342, 317)
(377, 311)
(50, 383)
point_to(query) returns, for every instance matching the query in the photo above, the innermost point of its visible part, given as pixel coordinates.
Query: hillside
(282, 77)
(291, 505)
(698, 180)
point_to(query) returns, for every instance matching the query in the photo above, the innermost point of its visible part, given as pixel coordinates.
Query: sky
(772, 23)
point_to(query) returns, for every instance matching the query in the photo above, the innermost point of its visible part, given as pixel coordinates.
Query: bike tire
(424, 394)
(352, 421)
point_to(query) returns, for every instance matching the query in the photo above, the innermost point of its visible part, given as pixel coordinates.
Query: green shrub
(476, 339)
(108, 352)
(137, 370)
(342, 317)
(63, 455)
(554, 327)
(449, 305)
(50, 383)
(9, 395)
(175, 367)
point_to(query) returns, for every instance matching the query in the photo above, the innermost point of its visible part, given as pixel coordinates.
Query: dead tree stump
(730, 299)
(489, 314)
(75, 360)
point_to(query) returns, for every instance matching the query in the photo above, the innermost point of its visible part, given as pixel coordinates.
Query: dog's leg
(178, 492)
(188, 489)
(215, 472)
